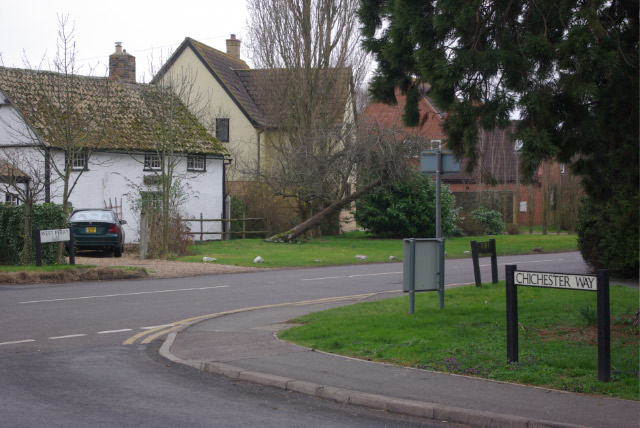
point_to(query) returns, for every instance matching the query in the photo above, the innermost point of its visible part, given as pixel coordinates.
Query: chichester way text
(556, 280)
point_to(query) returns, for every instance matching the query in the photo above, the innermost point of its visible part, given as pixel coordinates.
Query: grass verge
(557, 342)
(342, 249)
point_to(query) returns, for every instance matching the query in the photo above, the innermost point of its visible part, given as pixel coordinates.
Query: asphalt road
(63, 360)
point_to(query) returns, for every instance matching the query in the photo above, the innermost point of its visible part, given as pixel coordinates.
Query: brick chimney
(122, 66)
(233, 46)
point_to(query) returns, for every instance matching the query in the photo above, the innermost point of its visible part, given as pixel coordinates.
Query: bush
(513, 229)
(179, 239)
(407, 209)
(490, 220)
(608, 235)
(44, 216)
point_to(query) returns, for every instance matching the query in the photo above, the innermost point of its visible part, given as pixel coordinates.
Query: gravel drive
(159, 268)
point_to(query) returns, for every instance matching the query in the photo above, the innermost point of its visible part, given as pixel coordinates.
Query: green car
(97, 229)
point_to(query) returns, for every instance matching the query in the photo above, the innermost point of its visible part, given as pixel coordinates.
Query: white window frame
(196, 162)
(436, 142)
(152, 162)
(12, 198)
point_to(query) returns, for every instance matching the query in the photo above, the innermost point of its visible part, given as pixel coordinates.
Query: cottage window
(196, 163)
(151, 161)
(79, 162)
(12, 198)
(222, 130)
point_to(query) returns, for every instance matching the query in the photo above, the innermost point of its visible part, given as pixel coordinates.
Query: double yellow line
(152, 334)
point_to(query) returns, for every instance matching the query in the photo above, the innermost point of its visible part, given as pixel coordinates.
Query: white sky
(147, 29)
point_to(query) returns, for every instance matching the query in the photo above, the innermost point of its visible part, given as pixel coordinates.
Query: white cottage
(114, 138)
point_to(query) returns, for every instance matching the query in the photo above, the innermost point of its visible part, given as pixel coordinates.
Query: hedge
(44, 216)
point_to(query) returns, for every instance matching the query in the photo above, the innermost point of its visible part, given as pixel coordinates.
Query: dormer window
(222, 130)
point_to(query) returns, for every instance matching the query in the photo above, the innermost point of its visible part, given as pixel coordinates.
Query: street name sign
(55, 235)
(556, 280)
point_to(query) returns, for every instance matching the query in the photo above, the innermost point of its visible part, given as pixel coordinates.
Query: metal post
(512, 315)
(494, 261)
(604, 328)
(38, 248)
(412, 276)
(439, 229)
(476, 263)
(72, 250)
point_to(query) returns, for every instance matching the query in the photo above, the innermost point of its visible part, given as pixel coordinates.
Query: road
(64, 361)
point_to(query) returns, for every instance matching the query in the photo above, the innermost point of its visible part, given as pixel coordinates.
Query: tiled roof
(129, 121)
(259, 93)
(7, 169)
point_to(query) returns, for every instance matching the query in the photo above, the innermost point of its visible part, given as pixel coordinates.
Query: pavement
(243, 345)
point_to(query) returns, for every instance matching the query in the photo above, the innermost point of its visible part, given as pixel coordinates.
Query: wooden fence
(224, 233)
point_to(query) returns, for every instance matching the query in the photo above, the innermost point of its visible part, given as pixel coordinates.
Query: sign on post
(598, 283)
(422, 268)
(484, 248)
(54, 235)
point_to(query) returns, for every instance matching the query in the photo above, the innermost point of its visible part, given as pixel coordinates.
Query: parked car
(97, 229)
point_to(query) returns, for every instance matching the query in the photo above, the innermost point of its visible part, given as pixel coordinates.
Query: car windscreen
(90, 215)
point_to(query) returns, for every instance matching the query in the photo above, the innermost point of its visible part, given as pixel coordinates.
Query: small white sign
(556, 280)
(54, 235)
(523, 206)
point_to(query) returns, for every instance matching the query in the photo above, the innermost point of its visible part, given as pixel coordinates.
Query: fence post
(512, 314)
(201, 228)
(476, 263)
(38, 248)
(494, 261)
(144, 235)
(244, 225)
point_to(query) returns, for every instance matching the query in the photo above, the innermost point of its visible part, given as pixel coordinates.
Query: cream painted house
(242, 106)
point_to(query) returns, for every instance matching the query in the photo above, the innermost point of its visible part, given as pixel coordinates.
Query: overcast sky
(147, 29)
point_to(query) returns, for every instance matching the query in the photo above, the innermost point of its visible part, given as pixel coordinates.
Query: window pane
(222, 129)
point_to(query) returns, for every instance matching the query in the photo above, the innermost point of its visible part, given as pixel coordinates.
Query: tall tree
(312, 62)
(570, 69)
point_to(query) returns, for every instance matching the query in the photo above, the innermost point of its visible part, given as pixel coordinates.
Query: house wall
(243, 137)
(119, 176)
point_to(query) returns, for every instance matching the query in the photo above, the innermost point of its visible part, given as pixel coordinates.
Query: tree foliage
(407, 209)
(569, 68)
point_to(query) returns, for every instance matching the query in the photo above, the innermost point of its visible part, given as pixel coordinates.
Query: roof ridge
(218, 51)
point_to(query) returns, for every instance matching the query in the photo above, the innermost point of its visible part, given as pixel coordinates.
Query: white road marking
(115, 331)
(124, 294)
(374, 274)
(156, 326)
(519, 263)
(15, 342)
(326, 277)
(69, 336)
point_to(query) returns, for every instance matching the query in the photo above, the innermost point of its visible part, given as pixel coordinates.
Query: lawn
(342, 249)
(557, 336)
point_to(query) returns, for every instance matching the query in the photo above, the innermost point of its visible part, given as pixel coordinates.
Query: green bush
(491, 221)
(608, 234)
(407, 209)
(513, 229)
(45, 216)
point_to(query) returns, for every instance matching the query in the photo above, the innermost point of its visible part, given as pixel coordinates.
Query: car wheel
(117, 252)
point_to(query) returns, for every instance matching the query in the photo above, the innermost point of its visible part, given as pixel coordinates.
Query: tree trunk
(314, 221)
(25, 258)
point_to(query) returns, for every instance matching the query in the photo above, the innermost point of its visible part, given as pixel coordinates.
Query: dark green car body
(97, 229)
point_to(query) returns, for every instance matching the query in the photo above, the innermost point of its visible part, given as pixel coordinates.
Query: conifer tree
(568, 69)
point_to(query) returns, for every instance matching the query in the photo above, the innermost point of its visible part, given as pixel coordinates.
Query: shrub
(513, 229)
(490, 220)
(608, 234)
(44, 216)
(179, 239)
(407, 209)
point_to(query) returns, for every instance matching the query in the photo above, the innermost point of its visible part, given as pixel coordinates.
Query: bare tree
(67, 113)
(312, 64)
(25, 185)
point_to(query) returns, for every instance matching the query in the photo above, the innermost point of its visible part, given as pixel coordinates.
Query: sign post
(598, 283)
(481, 248)
(436, 162)
(54, 235)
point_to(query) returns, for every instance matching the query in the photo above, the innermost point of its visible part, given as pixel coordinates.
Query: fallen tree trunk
(315, 220)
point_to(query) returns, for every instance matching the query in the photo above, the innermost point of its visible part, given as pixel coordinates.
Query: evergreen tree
(568, 68)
